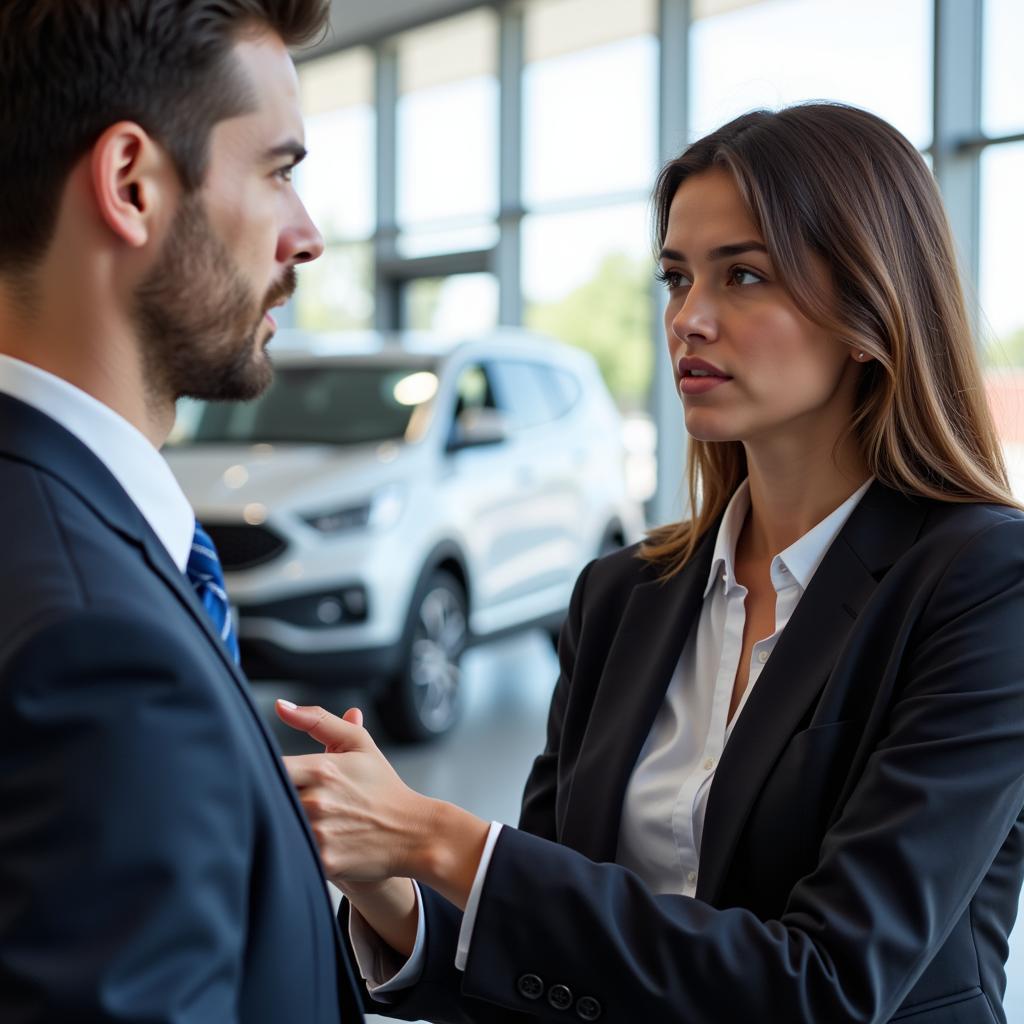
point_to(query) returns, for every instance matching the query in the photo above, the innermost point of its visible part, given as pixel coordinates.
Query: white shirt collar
(798, 563)
(136, 465)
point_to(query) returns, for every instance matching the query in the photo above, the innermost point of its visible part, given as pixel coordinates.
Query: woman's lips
(700, 382)
(701, 385)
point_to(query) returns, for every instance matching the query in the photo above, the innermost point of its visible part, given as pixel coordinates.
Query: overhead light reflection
(416, 389)
(236, 477)
(254, 514)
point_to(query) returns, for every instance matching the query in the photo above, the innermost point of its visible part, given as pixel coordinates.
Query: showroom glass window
(1002, 310)
(336, 182)
(589, 161)
(447, 167)
(1002, 228)
(448, 135)
(1002, 68)
(875, 54)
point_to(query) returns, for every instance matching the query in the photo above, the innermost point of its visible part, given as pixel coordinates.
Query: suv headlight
(382, 510)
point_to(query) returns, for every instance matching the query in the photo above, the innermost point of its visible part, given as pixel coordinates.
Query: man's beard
(198, 319)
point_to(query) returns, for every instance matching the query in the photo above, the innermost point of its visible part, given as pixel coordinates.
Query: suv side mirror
(477, 427)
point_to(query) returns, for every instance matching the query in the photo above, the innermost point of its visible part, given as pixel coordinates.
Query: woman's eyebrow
(720, 252)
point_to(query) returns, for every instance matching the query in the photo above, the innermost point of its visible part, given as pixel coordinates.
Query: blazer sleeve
(124, 844)
(939, 795)
(438, 995)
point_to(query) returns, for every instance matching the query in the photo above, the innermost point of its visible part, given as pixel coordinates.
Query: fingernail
(287, 704)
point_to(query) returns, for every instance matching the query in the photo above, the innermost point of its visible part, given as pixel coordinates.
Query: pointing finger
(336, 734)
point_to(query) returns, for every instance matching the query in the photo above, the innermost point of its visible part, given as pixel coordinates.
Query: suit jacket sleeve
(124, 843)
(940, 792)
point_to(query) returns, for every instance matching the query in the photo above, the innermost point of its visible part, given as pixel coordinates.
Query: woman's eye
(672, 279)
(740, 275)
(285, 173)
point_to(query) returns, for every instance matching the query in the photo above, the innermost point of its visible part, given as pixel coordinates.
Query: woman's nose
(695, 320)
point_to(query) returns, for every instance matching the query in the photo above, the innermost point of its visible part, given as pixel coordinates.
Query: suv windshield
(331, 404)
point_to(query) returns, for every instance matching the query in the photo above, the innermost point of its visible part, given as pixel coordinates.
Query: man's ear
(131, 175)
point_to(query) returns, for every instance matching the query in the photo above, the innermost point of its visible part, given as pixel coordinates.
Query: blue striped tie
(204, 573)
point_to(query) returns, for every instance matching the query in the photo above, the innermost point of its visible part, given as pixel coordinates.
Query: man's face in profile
(230, 254)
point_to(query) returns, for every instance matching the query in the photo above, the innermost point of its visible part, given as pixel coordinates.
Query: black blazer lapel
(643, 656)
(882, 527)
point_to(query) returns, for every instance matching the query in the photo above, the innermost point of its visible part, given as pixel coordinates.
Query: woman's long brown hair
(837, 183)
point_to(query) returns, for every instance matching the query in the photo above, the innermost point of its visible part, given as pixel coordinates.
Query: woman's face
(749, 366)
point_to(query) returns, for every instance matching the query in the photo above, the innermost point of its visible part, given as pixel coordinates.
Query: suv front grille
(243, 547)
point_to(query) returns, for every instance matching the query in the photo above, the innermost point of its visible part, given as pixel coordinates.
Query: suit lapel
(160, 562)
(30, 436)
(643, 656)
(882, 526)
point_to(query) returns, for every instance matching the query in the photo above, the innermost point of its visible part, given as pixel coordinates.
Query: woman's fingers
(310, 770)
(336, 734)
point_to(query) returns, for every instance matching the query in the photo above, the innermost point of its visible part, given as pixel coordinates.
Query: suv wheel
(424, 699)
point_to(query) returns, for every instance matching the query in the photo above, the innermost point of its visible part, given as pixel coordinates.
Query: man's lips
(268, 316)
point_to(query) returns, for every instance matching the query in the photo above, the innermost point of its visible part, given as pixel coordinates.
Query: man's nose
(300, 242)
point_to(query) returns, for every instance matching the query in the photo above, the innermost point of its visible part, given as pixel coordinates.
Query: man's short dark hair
(71, 68)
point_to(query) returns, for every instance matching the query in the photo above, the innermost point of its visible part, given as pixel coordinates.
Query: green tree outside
(609, 316)
(1008, 351)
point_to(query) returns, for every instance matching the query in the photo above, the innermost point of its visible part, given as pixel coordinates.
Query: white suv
(390, 500)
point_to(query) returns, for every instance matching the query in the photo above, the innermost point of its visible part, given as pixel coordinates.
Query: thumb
(336, 734)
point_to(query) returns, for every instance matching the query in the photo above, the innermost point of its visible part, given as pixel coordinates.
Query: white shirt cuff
(381, 967)
(469, 917)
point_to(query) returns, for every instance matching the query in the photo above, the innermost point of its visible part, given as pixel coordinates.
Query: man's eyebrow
(721, 252)
(293, 149)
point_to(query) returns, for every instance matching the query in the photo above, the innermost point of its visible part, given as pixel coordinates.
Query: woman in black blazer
(784, 772)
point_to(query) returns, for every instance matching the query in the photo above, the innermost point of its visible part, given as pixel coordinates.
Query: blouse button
(762, 656)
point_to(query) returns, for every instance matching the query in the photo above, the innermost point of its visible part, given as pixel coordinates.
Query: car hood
(226, 479)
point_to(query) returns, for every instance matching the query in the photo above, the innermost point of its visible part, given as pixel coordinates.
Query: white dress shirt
(666, 798)
(136, 465)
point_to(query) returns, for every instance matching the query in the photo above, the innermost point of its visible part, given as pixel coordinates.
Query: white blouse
(666, 798)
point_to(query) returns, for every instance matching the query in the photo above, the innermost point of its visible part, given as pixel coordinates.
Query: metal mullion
(403, 269)
(980, 142)
(669, 500)
(507, 258)
(387, 297)
(956, 117)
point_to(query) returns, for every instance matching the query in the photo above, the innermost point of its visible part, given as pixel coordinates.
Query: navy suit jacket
(155, 865)
(861, 857)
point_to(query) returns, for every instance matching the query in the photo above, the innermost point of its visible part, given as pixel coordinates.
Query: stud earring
(861, 356)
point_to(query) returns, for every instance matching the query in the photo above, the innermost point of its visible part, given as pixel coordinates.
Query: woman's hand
(368, 824)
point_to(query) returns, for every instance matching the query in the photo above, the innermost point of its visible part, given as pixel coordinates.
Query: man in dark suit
(155, 864)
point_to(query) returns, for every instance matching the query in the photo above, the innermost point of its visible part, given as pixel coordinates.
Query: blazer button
(560, 997)
(588, 1008)
(531, 987)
